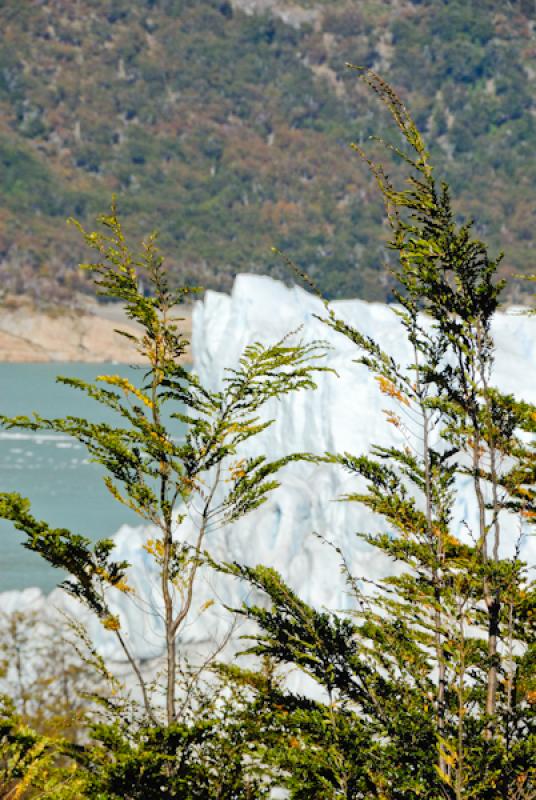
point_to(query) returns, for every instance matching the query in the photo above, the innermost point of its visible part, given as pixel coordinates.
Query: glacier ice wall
(343, 414)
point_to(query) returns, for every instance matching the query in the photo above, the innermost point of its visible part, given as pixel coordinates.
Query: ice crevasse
(344, 413)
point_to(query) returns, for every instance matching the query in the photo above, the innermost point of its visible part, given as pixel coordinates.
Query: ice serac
(344, 413)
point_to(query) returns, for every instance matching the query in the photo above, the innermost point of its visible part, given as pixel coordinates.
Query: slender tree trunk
(459, 772)
(492, 608)
(491, 592)
(511, 673)
(493, 605)
(167, 531)
(436, 575)
(171, 639)
(492, 681)
(132, 661)
(493, 602)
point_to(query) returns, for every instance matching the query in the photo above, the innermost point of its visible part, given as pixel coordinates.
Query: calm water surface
(53, 471)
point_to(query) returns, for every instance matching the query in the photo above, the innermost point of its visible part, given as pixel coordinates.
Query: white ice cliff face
(343, 414)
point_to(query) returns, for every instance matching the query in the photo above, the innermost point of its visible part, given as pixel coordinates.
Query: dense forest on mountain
(228, 124)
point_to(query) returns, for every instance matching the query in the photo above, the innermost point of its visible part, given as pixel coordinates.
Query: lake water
(53, 471)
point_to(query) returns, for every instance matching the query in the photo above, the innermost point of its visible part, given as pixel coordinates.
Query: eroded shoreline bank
(86, 334)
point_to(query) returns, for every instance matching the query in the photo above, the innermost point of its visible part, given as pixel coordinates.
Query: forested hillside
(226, 126)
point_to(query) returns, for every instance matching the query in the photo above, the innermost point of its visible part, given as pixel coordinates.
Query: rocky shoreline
(87, 334)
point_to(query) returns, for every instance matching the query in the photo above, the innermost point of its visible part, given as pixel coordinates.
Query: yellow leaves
(120, 584)
(123, 586)
(294, 743)
(444, 536)
(444, 776)
(154, 547)
(388, 388)
(393, 419)
(126, 386)
(111, 622)
(480, 450)
(449, 759)
(449, 756)
(207, 604)
(531, 697)
(236, 427)
(158, 437)
(37, 760)
(237, 470)
(186, 484)
(524, 492)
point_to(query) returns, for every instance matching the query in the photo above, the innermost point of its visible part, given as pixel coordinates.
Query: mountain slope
(226, 126)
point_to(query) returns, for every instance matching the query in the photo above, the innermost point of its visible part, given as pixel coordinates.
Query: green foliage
(432, 671)
(208, 754)
(191, 743)
(199, 479)
(35, 766)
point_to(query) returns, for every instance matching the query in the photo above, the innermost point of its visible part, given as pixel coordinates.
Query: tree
(167, 481)
(433, 674)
